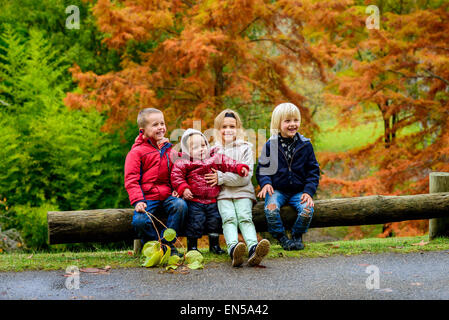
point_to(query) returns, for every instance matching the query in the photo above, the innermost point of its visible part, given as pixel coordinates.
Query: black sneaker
(297, 243)
(257, 252)
(237, 252)
(286, 243)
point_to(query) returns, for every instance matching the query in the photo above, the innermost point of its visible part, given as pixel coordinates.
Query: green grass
(123, 259)
(337, 140)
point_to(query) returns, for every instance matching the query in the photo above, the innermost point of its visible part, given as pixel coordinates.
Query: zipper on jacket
(285, 156)
(161, 152)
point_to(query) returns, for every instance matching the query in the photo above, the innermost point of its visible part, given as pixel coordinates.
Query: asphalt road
(390, 276)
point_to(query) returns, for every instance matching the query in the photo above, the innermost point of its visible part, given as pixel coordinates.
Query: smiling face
(197, 147)
(155, 126)
(289, 127)
(228, 130)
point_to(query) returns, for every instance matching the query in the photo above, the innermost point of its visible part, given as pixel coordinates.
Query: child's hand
(244, 172)
(187, 195)
(305, 197)
(175, 194)
(162, 141)
(212, 178)
(140, 207)
(266, 188)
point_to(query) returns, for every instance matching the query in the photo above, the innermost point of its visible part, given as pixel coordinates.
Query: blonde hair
(218, 122)
(143, 114)
(281, 112)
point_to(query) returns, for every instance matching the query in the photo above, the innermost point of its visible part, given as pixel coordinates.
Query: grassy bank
(124, 259)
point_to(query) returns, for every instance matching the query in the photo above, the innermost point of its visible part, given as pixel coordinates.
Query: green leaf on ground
(166, 256)
(195, 265)
(194, 255)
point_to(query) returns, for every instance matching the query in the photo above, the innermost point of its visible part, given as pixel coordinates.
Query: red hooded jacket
(147, 170)
(187, 173)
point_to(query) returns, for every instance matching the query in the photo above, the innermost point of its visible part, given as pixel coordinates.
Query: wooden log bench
(110, 225)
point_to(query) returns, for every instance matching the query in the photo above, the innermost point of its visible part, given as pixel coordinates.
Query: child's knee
(179, 206)
(271, 211)
(307, 211)
(306, 215)
(229, 219)
(139, 220)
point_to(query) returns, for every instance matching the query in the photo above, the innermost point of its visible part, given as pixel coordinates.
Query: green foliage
(48, 154)
(158, 254)
(153, 253)
(34, 223)
(51, 152)
(82, 46)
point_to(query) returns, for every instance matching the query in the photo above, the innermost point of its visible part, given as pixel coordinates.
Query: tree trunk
(108, 225)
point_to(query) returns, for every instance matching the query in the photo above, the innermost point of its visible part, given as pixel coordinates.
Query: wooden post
(439, 182)
(137, 246)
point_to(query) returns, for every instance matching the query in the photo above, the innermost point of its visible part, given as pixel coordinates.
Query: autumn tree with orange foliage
(204, 56)
(401, 72)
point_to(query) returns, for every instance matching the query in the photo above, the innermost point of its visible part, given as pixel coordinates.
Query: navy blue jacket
(302, 174)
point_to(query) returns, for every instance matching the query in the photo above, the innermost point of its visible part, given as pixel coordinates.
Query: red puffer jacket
(147, 170)
(188, 173)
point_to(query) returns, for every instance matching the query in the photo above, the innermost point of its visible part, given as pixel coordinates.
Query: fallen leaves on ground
(422, 243)
(104, 270)
(180, 270)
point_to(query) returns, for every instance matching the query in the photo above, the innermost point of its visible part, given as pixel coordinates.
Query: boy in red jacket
(147, 178)
(188, 180)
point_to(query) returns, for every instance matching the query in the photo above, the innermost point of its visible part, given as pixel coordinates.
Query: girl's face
(197, 147)
(228, 130)
(289, 127)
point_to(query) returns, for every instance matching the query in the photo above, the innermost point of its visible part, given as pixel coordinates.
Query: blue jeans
(272, 213)
(174, 208)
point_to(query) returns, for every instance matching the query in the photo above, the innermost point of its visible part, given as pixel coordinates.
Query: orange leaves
(203, 55)
(130, 22)
(113, 93)
(396, 73)
(406, 229)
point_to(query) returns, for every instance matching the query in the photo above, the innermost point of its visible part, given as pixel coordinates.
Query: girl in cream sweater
(236, 198)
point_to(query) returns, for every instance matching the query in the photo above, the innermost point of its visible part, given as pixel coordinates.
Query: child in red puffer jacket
(188, 179)
(147, 179)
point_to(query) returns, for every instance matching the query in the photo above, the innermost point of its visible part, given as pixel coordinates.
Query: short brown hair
(143, 114)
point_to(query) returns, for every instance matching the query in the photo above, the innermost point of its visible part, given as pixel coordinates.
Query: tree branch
(431, 75)
(244, 29)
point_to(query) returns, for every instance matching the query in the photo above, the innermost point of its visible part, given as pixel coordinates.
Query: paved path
(401, 276)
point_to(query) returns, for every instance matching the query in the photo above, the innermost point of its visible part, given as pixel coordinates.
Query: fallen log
(109, 225)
